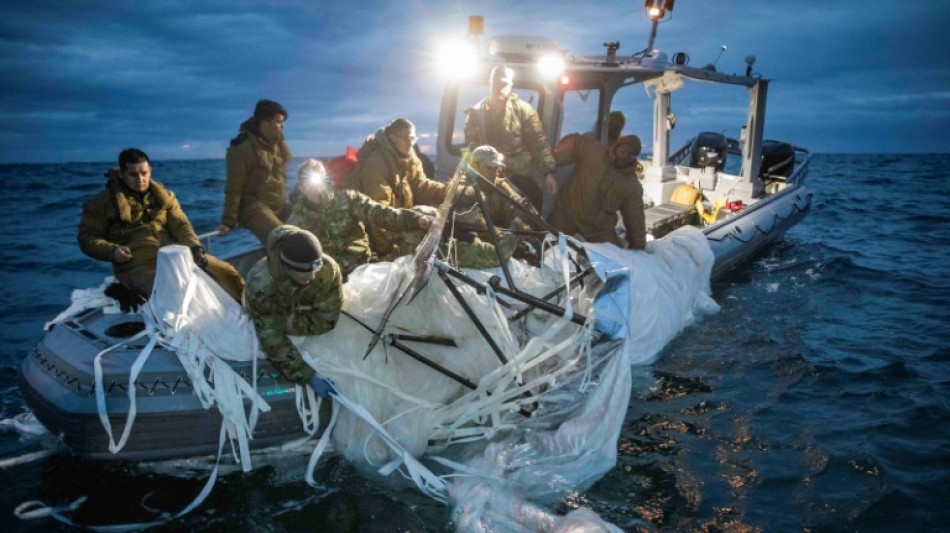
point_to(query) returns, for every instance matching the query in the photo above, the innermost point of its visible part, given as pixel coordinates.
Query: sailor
(474, 246)
(389, 172)
(340, 218)
(615, 123)
(257, 167)
(513, 127)
(604, 182)
(134, 216)
(295, 290)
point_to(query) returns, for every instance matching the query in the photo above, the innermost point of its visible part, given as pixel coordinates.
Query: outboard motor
(709, 150)
(778, 160)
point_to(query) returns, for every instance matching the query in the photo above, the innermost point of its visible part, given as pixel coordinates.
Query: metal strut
(491, 226)
(527, 309)
(471, 314)
(495, 283)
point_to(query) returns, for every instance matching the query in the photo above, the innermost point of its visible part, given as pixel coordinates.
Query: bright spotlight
(551, 66)
(457, 60)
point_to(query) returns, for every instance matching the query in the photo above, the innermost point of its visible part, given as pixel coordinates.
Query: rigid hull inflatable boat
(543, 379)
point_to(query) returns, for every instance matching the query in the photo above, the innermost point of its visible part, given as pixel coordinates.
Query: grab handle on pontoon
(205, 239)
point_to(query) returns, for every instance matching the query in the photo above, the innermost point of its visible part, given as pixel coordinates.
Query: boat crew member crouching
(513, 127)
(340, 218)
(257, 168)
(474, 247)
(134, 216)
(604, 182)
(295, 290)
(388, 171)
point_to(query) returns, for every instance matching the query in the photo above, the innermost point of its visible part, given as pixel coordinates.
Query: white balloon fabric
(542, 424)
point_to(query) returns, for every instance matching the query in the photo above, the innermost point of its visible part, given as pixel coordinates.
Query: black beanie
(300, 249)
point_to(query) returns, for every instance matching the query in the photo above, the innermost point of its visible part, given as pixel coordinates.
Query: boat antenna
(656, 9)
(712, 66)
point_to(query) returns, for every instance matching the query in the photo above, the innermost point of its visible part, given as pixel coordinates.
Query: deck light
(565, 80)
(551, 66)
(458, 60)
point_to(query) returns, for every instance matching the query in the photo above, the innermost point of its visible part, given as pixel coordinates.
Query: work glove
(129, 300)
(198, 255)
(322, 386)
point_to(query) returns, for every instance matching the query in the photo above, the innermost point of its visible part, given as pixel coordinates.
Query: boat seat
(664, 218)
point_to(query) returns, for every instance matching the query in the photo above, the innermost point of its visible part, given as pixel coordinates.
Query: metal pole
(471, 315)
(515, 295)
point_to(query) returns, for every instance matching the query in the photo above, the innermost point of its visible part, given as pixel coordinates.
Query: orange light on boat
(565, 80)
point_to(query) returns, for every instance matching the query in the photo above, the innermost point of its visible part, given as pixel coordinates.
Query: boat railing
(205, 239)
(677, 157)
(802, 160)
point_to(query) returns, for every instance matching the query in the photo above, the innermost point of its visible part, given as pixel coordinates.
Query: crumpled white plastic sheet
(661, 290)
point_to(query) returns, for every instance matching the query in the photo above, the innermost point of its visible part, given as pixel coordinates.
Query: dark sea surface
(818, 399)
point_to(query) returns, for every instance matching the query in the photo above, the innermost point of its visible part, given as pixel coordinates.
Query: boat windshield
(580, 112)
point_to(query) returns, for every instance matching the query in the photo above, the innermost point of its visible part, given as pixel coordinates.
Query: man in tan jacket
(604, 182)
(255, 191)
(134, 216)
(389, 172)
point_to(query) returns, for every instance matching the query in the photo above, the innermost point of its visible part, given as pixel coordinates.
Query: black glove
(129, 299)
(198, 254)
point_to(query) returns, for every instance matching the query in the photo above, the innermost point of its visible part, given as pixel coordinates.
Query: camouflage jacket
(517, 134)
(341, 224)
(257, 171)
(117, 216)
(596, 192)
(468, 216)
(279, 307)
(392, 180)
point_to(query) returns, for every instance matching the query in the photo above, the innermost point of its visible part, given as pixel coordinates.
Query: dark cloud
(83, 79)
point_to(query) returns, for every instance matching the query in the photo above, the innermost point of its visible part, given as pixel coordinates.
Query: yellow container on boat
(684, 195)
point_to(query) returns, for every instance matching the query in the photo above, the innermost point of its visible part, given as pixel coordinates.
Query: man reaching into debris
(604, 182)
(341, 218)
(295, 290)
(389, 172)
(475, 248)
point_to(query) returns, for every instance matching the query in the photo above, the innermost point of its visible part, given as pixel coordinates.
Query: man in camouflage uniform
(389, 172)
(340, 218)
(134, 216)
(604, 182)
(474, 247)
(257, 168)
(295, 290)
(513, 127)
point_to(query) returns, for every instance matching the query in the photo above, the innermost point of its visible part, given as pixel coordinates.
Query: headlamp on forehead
(315, 177)
(298, 266)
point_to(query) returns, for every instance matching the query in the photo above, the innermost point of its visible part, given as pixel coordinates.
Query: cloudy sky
(82, 80)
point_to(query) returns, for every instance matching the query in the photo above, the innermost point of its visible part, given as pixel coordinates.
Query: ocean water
(818, 399)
